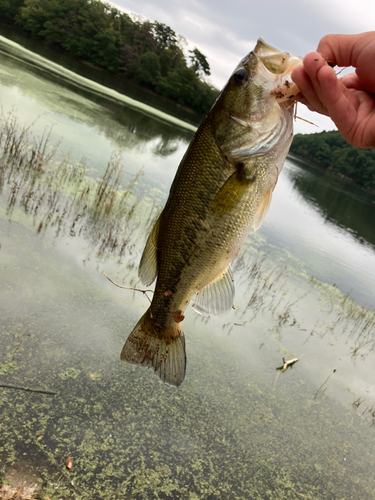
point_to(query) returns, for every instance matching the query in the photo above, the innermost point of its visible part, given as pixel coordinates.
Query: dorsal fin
(217, 297)
(148, 267)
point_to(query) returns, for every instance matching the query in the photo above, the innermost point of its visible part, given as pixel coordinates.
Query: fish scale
(221, 190)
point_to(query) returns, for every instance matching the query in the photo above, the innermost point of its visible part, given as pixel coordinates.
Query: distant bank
(330, 151)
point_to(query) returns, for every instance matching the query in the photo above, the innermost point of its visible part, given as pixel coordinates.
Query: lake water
(237, 428)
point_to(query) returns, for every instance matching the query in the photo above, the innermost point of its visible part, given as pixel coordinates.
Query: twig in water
(300, 494)
(130, 288)
(42, 391)
(284, 367)
(287, 363)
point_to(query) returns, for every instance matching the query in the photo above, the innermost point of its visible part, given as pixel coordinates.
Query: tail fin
(165, 354)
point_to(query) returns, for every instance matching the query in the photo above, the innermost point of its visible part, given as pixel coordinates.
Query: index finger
(346, 50)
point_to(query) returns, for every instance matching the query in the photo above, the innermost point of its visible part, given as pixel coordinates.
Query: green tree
(171, 59)
(127, 60)
(105, 49)
(143, 40)
(164, 36)
(178, 85)
(9, 9)
(123, 24)
(199, 62)
(148, 70)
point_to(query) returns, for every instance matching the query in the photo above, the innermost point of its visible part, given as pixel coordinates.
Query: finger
(340, 102)
(352, 82)
(313, 63)
(345, 50)
(324, 81)
(310, 97)
(331, 91)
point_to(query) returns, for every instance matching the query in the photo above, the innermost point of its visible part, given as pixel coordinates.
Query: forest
(330, 151)
(147, 53)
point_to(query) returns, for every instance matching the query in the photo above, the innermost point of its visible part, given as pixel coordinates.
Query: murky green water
(237, 428)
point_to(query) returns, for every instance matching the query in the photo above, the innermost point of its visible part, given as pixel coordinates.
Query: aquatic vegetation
(7, 367)
(62, 196)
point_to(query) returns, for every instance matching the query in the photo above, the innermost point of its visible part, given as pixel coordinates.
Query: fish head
(254, 112)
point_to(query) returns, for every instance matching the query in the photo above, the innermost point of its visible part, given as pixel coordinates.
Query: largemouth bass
(222, 189)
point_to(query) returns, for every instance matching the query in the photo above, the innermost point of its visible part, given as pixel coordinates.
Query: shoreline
(99, 75)
(330, 170)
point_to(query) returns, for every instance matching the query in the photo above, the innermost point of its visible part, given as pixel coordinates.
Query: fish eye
(240, 76)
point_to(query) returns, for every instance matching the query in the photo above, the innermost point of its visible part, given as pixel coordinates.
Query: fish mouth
(276, 67)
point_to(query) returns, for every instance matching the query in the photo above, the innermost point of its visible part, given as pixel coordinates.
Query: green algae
(227, 440)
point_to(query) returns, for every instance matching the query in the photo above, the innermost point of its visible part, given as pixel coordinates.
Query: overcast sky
(225, 31)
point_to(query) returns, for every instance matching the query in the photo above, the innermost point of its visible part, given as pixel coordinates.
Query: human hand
(349, 101)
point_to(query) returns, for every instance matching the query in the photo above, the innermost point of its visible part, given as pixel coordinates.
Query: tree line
(148, 53)
(330, 151)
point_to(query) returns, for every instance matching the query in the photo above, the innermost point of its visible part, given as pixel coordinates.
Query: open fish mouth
(277, 66)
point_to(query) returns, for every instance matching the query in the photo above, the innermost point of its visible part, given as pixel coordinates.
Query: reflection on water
(338, 200)
(238, 427)
(332, 253)
(87, 122)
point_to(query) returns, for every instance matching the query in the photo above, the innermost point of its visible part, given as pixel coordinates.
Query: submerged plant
(62, 196)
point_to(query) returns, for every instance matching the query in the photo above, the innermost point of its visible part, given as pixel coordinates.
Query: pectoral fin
(217, 297)
(232, 192)
(262, 210)
(148, 267)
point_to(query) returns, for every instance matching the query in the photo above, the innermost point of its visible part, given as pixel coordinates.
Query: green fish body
(222, 189)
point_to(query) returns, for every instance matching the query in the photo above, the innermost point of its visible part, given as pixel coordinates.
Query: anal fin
(217, 297)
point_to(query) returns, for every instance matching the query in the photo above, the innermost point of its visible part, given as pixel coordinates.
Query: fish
(222, 189)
